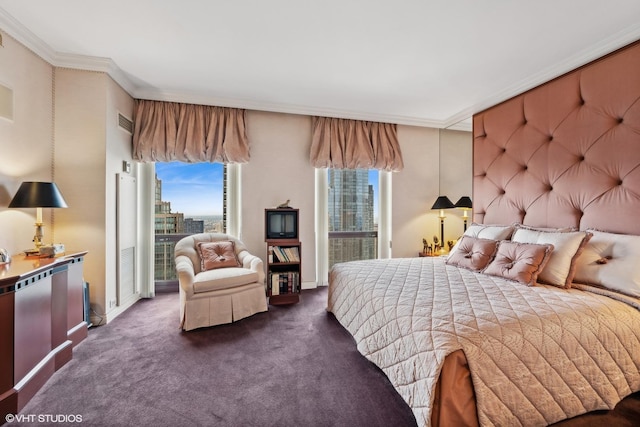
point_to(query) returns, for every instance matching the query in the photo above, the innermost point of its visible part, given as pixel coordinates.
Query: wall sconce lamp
(465, 204)
(38, 195)
(442, 203)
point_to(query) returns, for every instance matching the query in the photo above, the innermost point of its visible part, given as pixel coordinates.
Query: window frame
(322, 221)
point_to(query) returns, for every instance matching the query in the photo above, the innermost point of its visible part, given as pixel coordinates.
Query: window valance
(354, 144)
(171, 131)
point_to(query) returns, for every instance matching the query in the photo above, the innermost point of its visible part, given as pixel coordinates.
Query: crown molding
(248, 104)
(23, 35)
(94, 63)
(606, 46)
(65, 60)
(458, 121)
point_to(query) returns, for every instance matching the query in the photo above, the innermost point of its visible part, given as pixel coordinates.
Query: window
(189, 198)
(353, 214)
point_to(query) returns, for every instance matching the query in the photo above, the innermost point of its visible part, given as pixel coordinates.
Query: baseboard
(309, 285)
(109, 316)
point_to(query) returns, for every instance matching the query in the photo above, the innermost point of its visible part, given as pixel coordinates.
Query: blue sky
(193, 189)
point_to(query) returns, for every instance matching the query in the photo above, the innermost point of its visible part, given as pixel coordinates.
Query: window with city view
(189, 199)
(353, 214)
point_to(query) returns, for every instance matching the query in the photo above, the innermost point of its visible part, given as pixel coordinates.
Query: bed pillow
(473, 253)
(519, 262)
(217, 255)
(566, 248)
(611, 260)
(482, 231)
(552, 229)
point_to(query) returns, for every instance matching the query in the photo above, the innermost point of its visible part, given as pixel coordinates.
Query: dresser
(41, 320)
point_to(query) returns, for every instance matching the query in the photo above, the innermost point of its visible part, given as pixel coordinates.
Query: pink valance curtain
(354, 144)
(171, 131)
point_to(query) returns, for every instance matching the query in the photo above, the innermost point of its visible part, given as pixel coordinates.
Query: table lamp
(442, 203)
(33, 194)
(465, 204)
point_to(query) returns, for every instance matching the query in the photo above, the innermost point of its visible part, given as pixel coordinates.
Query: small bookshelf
(284, 271)
(284, 251)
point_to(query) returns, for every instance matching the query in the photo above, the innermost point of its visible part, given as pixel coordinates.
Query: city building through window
(353, 218)
(190, 198)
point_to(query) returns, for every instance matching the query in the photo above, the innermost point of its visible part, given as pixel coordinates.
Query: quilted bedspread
(537, 355)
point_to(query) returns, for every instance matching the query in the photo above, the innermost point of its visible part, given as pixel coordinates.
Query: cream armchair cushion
(219, 295)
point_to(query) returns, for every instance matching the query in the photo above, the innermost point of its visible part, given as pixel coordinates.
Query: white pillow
(611, 260)
(482, 231)
(560, 269)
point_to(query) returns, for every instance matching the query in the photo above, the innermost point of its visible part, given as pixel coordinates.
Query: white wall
(456, 172)
(88, 150)
(414, 190)
(25, 142)
(118, 148)
(80, 108)
(279, 169)
(434, 161)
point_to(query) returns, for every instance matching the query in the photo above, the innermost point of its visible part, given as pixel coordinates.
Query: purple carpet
(291, 366)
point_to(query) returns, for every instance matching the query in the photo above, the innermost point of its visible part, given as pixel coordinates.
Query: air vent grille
(125, 123)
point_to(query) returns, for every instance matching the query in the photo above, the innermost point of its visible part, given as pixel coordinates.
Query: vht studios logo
(43, 418)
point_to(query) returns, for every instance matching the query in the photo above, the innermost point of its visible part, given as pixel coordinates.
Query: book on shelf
(287, 282)
(283, 254)
(275, 284)
(292, 254)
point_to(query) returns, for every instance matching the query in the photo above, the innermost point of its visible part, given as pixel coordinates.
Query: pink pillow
(217, 255)
(520, 262)
(473, 253)
(567, 246)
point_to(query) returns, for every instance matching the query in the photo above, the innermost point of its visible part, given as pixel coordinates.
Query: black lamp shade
(32, 194)
(464, 202)
(443, 202)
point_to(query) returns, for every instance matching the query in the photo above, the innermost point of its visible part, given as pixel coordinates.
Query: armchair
(215, 287)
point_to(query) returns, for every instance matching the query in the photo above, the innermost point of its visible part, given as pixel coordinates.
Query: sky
(194, 189)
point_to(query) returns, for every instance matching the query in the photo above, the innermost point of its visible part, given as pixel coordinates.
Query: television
(281, 224)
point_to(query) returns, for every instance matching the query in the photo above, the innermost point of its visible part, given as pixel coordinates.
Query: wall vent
(127, 277)
(125, 124)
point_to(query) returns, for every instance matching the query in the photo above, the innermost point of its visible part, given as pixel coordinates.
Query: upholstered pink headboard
(566, 153)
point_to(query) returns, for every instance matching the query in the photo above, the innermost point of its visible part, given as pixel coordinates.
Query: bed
(534, 317)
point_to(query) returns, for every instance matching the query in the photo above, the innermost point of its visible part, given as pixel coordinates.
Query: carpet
(291, 366)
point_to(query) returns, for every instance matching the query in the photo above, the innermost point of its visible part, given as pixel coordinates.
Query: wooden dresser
(41, 320)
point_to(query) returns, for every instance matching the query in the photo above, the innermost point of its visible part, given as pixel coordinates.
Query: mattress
(537, 355)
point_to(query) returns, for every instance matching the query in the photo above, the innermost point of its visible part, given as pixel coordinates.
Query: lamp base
(46, 251)
(52, 250)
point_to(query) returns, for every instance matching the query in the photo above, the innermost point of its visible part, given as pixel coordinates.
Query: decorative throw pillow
(473, 253)
(567, 247)
(217, 255)
(611, 260)
(483, 231)
(519, 262)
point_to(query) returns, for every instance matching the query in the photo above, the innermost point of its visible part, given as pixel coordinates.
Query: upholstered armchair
(220, 281)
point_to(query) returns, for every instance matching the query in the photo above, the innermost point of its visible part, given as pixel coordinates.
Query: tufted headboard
(566, 153)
